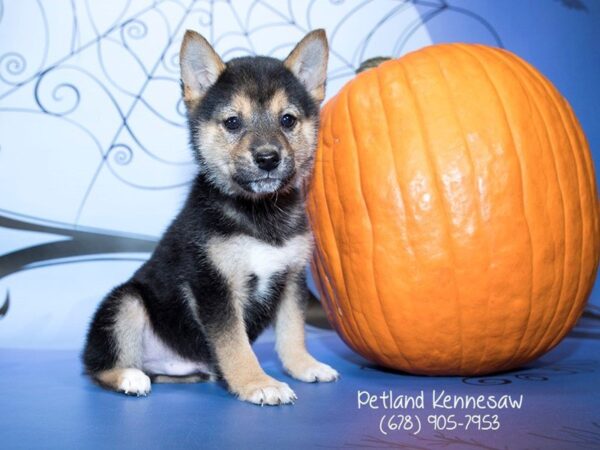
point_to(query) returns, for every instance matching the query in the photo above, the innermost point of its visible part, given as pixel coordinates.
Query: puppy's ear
(200, 66)
(308, 61)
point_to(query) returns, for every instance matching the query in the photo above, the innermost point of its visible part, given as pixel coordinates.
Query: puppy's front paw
(313, 371)
(266, 391)
(133, 382)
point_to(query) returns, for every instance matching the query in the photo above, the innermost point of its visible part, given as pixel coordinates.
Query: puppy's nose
(267, 159)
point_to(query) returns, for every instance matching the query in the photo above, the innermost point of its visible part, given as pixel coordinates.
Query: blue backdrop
(94, 160)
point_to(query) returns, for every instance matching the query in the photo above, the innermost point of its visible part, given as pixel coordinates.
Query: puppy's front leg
(289, 335)
(241, 370)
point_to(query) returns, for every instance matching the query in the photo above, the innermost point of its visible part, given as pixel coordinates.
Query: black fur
(180, 257)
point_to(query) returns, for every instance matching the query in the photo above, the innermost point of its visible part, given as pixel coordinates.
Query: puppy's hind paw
(134, 382)
(314, 372)
(267, 391)
(129, 381)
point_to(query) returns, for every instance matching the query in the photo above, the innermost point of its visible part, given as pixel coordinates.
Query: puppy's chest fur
(256, 273)
(253, 268)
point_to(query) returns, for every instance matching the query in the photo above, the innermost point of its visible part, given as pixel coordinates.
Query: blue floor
(45, 402)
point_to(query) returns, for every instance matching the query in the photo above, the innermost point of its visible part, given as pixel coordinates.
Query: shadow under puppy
(233, 260)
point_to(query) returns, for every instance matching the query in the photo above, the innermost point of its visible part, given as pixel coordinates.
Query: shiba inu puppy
(233, 260)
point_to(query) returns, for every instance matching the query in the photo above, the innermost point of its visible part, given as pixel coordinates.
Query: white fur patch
(268, 392)
(158, 359)
(265, 186)
(133, 382)
(239, 257)
(317, 372)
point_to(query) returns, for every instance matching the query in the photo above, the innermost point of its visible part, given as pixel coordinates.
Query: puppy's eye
(288, 121)
(232, 123)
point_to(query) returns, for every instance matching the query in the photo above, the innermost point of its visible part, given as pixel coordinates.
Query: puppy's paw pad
(268, 392)
(316, 372)
(134, 382)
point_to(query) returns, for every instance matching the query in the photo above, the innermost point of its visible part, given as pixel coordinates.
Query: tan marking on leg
(290, 340)
(128, 332)
(130, 381)
(243, 373)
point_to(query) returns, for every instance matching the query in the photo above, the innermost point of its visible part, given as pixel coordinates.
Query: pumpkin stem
(371, 62)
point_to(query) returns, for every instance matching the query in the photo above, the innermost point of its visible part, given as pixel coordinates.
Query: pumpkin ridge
(360, 187)
(573, 314)
(399, 185)
(318, 179)
(399, 188)
(518, 77)
(323, 284)
(468, 152)
(326, 291)
(348, 311)
(507, 122)
(567, 323)
(428, 156)
(404, 199)
(346, 274)
(572, 153)
(543, 329)
(500, 108)
(528, 88)
(595, 204)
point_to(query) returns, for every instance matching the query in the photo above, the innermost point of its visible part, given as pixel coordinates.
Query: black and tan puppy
(233, 260)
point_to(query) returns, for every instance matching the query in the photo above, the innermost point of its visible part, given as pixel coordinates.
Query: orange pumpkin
(455, 212)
